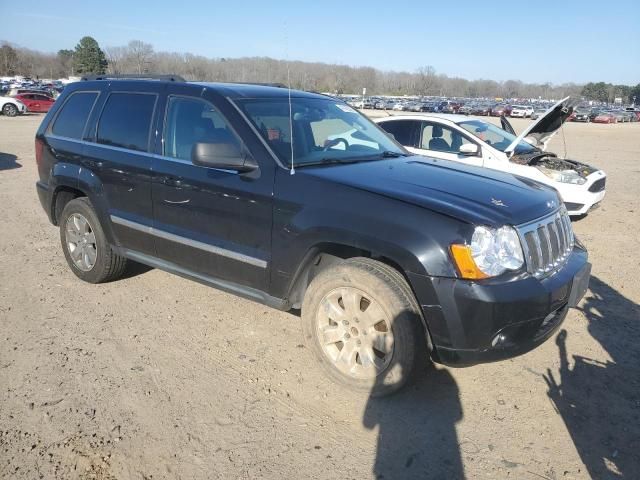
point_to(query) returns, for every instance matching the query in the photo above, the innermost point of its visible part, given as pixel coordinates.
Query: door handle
(172, 182)
(92, 164)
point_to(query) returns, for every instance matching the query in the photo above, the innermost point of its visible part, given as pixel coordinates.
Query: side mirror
(469, 149)
(226, 156)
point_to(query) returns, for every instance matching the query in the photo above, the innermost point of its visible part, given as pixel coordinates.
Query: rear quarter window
(126, 120)
(73, 115)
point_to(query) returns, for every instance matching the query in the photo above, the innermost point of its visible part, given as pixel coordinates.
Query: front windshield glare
(323, 130)
(495, 136)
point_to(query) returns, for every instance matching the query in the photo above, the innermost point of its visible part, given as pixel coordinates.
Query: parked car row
(29, 96)
(476, 107)
(598, 115)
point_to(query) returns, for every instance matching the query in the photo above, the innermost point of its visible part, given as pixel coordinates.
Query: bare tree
(140, 55)
(116, 57)
(428, 82)
(8, 60)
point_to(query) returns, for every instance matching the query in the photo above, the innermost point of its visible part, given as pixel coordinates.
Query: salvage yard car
(522, 111)
(581, 115)
(11, 107)
(36, 102)
(390, 256)
(483, 144)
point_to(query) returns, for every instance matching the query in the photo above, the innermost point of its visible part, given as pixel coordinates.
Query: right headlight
(491, 252)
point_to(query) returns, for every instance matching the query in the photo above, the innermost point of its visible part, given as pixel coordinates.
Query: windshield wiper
(335, 161)
(390, 154)
(345, 161)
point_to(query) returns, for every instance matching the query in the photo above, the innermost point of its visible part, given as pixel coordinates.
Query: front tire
(363, 324)
(85, 245)
(10, 110)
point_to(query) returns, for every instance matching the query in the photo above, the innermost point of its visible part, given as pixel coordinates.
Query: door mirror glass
(226, 156)
(468, 149)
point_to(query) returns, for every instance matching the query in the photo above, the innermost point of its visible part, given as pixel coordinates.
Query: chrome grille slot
(547, 242)
(533, 257)
(547, 259)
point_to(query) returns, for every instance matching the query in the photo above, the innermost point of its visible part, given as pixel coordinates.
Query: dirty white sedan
(483, 144)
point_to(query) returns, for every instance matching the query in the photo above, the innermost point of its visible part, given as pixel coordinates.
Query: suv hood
(476, 195)
(539, 133)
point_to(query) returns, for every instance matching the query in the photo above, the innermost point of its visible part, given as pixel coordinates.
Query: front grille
(547, 243)
(598, 185)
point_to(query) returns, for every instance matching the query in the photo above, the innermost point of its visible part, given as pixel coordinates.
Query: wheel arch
(327, 254)
(83, 183)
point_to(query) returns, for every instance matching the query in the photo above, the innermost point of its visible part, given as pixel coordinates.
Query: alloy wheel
(81, 242)
(354, 333)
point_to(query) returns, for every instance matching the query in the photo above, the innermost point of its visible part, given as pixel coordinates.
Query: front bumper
(485, 321)
(579, 199)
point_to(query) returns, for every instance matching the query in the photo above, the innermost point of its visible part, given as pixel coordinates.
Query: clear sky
(557, 41)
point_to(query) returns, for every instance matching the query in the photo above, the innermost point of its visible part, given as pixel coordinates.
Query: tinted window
(404, 131)
(190, 121)
(126, 120)
(73, 116)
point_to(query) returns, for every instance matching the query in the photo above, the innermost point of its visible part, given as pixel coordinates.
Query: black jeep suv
(296, 200)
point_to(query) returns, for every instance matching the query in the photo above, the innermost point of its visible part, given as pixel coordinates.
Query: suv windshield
(495, 136)
(324, 130)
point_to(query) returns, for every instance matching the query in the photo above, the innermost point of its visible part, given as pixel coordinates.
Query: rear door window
(405, 132)
(73, 116)
(126, 120)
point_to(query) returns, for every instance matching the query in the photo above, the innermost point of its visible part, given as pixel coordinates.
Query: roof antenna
(286, 43)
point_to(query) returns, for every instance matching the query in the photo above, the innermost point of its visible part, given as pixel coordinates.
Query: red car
(501, 110)
(36, 102)
(605, 118)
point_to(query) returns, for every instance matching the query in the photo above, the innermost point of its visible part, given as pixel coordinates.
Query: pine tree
(88, 57)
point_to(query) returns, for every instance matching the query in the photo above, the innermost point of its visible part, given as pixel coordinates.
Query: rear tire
(85, 245)
(10, 110)
(361, 320)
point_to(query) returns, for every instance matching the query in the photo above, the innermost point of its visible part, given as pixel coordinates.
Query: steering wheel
(333, 142)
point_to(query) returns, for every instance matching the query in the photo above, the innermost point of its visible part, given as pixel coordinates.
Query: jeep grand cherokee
(296, 200)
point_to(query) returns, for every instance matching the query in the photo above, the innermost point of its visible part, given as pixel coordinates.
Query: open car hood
(540, 132)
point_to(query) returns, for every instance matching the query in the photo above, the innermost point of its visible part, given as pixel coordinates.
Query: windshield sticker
(345, 108)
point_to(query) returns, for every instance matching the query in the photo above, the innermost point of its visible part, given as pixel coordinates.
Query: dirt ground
(156, 377)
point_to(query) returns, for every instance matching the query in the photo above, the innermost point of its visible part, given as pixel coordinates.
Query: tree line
(139, 57)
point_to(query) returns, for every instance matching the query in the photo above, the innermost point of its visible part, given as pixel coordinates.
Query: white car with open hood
(483, 144)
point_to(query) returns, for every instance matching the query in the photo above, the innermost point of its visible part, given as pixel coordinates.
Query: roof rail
(260, 84)
(126, 76)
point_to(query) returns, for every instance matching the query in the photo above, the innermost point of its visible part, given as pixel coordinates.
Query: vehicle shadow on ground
(8, 161)
(134, 269)
(600, 402)
(416, 429)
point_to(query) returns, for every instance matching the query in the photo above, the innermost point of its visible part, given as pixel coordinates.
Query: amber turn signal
(463, 259)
